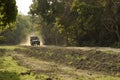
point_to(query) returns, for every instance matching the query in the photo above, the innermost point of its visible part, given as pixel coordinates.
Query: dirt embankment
(105, 62)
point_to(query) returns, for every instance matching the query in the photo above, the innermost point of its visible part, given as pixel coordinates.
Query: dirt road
(54, 70)
(87, 48)
(67, 63)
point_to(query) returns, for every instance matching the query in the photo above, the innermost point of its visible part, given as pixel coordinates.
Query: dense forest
(78, 22)
(18, 34)
(14, 27)
(8, 14)
(63, 22)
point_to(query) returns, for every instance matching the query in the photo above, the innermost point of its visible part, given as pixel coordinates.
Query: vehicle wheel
(38, 44)
(32, 44)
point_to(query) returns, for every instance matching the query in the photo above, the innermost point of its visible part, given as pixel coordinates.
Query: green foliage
(23, 28)
(76, 21)
(48, 11)
(86, 22)
(111, 18)
(116, 44)
(8, 13)
(10, 70)
(2, 39)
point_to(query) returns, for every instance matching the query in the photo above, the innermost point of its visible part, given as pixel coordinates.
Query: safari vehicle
(34, 40)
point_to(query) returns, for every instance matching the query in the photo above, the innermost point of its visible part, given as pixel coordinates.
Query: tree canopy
(18, 35)
(8, 13)
(79, 22)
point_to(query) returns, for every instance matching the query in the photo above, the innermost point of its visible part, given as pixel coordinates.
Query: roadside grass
(61, 72)
(10, 68)
(11, 47)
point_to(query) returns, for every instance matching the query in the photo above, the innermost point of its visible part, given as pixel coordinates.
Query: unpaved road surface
(68, 63)
(52, 69)
(87, 48)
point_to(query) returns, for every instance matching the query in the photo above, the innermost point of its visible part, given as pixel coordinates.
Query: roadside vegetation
(78, 22)
(42, 63)
(10, 70)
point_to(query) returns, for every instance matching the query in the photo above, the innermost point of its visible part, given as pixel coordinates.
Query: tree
(47, 11)
(8, 13)
(78, 20)
(19, 34)
(112, 17)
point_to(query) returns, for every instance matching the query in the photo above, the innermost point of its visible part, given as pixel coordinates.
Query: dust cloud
(26, 41)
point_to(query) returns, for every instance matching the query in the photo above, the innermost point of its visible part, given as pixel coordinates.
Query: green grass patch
(11, 47)
(107, 78)
(10, 70)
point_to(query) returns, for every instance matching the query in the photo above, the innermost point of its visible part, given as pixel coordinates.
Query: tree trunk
(117, 33)
(66, 35)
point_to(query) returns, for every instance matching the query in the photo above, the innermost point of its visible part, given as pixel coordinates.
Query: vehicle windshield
(34, 38)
